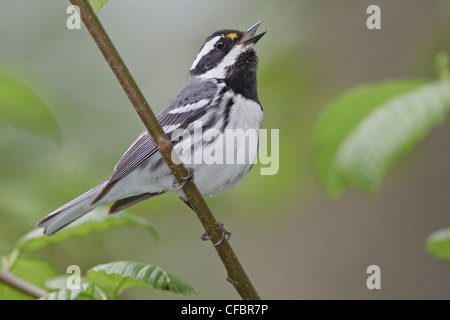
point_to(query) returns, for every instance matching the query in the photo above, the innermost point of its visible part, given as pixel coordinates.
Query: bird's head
(226, 53)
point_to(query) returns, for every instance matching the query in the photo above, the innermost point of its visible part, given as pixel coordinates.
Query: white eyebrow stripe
(207, 47)
(171, 127)
(190, 106)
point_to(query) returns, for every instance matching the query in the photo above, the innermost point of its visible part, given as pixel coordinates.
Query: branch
(236, 274)
(19, 284)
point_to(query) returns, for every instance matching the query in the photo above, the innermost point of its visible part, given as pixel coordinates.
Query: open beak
(249, 37)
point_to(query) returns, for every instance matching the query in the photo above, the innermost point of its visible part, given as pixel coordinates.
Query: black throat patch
(241, 77)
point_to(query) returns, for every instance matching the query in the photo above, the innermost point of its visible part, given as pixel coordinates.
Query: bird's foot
(225, 234)
(186, 180)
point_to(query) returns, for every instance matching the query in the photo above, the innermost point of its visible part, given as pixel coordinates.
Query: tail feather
(122, 204)
(70, 212)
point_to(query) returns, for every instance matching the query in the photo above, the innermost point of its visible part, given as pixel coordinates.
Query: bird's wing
(178, 114)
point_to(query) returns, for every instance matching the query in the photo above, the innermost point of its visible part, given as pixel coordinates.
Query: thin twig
(19, 284)
(235, 273)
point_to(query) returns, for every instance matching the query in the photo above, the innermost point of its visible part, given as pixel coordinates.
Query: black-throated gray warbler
(220, 94)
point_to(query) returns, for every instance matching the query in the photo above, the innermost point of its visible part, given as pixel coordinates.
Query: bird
(220, 96)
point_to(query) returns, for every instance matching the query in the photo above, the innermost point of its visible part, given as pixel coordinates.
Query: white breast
(212, 179)
(245, 114)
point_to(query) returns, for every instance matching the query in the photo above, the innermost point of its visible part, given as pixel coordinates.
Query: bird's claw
(225, 234)
(186, 179)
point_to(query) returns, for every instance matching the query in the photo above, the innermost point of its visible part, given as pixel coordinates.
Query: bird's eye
(220, 45)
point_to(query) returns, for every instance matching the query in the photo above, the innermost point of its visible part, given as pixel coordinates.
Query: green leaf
(438, 243)
(115, 277)
(97, 220)
(21, 106)
(60, 282)
(87, 291)
(364, 131)
(57, 283)
(97, 4)
(35, 271)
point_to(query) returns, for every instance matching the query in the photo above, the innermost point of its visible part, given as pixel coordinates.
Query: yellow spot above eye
(232, 36)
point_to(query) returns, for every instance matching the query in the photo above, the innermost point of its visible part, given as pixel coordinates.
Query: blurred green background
(293, 241)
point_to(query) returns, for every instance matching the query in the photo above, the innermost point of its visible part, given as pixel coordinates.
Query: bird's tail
(70, 212)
